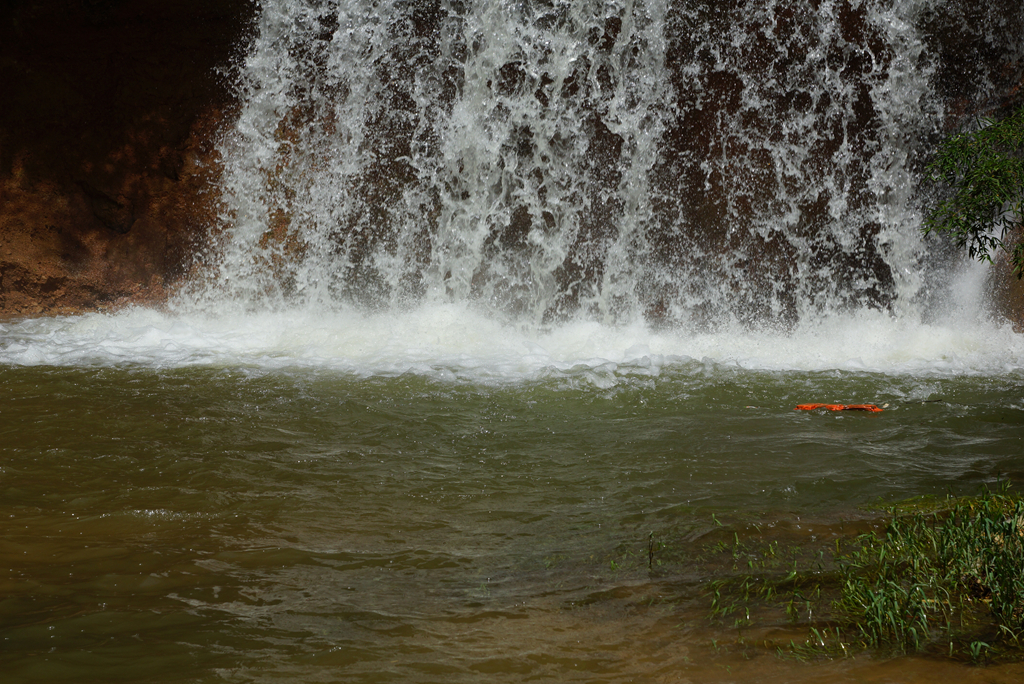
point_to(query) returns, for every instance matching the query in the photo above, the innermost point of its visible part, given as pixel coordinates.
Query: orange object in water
(839, 407)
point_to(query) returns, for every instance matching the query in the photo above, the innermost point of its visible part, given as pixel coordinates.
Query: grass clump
(947, 580)
(958, 575)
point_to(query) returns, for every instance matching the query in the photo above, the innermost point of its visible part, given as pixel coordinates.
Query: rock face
(1007, 288)
(110, 109)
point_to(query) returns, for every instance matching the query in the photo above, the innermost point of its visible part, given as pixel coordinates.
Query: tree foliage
(983, 172)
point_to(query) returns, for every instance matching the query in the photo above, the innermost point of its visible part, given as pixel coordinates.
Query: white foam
(453, 341)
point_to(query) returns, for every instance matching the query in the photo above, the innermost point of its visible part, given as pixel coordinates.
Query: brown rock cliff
(108, 114)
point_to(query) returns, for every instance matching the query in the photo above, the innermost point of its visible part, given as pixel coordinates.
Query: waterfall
(500, 191)
(691, 163)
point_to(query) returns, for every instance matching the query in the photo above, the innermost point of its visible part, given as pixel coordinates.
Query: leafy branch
(983, 170)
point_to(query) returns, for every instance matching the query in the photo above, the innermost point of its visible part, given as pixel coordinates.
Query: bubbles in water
(451, 342)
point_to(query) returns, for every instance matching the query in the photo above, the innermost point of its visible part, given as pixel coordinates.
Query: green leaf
(981, 173)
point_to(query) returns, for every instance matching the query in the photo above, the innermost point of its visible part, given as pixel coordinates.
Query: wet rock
(115, 215)
(106, 146)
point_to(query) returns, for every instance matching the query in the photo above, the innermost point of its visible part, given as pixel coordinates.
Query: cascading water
(688, 163)
(502, 189)
(389, 153)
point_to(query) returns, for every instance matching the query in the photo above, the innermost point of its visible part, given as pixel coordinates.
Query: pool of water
(296, 521)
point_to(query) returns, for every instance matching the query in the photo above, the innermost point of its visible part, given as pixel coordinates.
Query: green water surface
(238, 524)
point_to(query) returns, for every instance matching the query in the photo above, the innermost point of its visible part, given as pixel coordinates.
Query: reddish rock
(1007, 289)
(106, 146)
